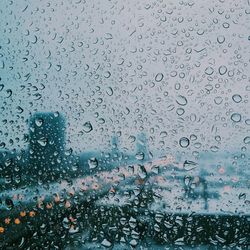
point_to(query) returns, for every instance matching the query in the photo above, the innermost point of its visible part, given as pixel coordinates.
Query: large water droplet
(93, 163)
(87, 127)
(42, 141)
(236, 117)
(181, 100)
(209, 71)
(237, 98)
(189, 165)
(39, 122)
(220, 39)
(184, 142)
(222, 70)
(159, 77)
(106, 243)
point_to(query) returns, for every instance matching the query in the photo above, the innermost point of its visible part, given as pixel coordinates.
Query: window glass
(124, 124)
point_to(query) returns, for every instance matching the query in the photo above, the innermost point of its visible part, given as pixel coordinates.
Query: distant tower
(47, 143)
(114, 144)
(142, 147)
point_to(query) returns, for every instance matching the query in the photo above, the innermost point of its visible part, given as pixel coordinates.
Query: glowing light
(17, 221)
(23, 213)
(49, 206)
(222, 170)
(1, 229)
(32, 213)
(67, 204)
(7, 221)
(57, 198)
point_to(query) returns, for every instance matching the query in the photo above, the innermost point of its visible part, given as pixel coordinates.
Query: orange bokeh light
(17, 221)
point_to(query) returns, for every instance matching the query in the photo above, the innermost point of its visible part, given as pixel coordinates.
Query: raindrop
(181, 100)
(237, 98)
(9, 93)
(106, 243)
(184, 142)
(159, 77)
(139, 156)
(218, 100)
(42, 141)
(180, 111)
(109, 91)
(247, 140)
(1, 87)
(19, 110)
(242, 196)
(214, 149)
(236, 117)
(87, 127)
(209, 71)
(93, 163)
(222, 70)
(220, 39)
(39, 122)
(107, 74)
(189, 165)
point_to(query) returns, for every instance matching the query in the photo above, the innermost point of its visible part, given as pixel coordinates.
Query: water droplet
(106, 243)
(214, 149)
(19, 110)
(189, 165)
(43, 141)
(39, 122)
(133, 243)
(209, 71)
(139, 156)
(222, 70)
(87, 127)
(107, 74)
(242, 196)
(220, 39)
(218, 100)
(184, 142)
(109, 91)
(180, 111)
(237, 98)
(93, 163)
(159, 77)
(236, 117)
(247, 140)
(9, 93)
(181, 100)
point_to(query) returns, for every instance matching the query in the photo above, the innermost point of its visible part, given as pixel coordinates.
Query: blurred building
(46, 143)
(142, 152)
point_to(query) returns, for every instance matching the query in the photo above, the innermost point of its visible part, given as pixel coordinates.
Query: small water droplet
(39, 122)
(247, 140)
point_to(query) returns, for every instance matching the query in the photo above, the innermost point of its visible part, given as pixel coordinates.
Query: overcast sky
(170, 69)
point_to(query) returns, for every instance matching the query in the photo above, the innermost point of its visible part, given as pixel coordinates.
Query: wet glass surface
(124, 124)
